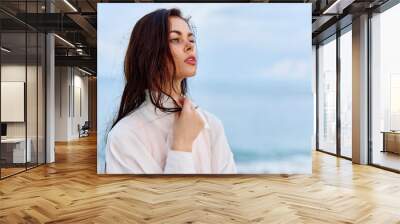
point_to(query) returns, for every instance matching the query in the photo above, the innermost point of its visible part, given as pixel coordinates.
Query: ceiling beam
(83, 61)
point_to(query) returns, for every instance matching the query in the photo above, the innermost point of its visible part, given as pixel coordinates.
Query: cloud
(289, 69)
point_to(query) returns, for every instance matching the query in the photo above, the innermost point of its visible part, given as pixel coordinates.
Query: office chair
(84, 130)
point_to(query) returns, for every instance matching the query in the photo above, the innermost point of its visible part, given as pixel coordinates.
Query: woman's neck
(176, 92)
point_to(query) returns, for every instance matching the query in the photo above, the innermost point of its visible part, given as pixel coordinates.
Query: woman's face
(183, 47)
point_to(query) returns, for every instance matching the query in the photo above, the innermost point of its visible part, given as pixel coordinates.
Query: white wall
(13, 100)
(80, 84)
(61, 103)
(14, 72)
(70, 83)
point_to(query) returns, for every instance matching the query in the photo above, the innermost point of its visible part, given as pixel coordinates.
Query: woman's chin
(189, 74)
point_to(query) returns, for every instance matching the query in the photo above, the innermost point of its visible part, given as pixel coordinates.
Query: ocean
(268, 124)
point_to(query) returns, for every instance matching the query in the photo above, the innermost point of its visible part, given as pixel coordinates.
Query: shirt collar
(154, 113)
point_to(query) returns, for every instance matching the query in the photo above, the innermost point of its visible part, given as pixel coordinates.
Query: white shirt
(140, 143)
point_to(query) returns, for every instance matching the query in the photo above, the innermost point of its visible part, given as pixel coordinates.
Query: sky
(268, 38)
(254, 72)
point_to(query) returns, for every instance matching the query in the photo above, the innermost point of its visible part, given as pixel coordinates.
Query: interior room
(49, 136)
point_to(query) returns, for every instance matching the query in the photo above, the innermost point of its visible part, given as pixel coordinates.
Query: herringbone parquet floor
(70, 191)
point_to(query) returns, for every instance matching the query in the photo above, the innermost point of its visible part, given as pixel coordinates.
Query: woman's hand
(187, 126)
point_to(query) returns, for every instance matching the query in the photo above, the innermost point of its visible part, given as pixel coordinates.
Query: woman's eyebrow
(180, 33)
(176, 31)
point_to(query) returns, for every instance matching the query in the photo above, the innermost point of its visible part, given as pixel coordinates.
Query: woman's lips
(190, 61)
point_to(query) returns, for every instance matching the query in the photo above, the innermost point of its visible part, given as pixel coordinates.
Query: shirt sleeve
(223, 159)
(179, 162)
(127, 154)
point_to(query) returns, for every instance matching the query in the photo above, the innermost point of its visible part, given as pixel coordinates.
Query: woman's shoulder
(128, 125)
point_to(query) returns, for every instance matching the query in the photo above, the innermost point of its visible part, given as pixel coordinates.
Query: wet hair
(149, 64)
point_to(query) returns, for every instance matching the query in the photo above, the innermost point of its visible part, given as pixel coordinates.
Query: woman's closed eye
(175, 40)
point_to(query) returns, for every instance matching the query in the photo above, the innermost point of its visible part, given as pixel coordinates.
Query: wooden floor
(70, 191)
(10, 171)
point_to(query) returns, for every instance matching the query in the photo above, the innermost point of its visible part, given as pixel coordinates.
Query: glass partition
(14, 153)
(22, 64)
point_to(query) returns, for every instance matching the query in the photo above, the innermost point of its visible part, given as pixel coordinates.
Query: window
(346, 92)
(385, 89)
(327, 96)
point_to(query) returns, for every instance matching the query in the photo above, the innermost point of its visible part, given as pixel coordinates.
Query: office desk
(391, 141)
(15, 148)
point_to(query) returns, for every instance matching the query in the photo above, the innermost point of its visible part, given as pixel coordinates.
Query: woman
(158, 129)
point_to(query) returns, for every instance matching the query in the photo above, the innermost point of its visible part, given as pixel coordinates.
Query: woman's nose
(189, 46)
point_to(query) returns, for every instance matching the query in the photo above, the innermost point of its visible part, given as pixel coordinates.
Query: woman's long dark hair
(149, 64)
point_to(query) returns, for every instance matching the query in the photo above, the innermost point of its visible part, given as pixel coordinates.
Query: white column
(50, 92)
(360, 90)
